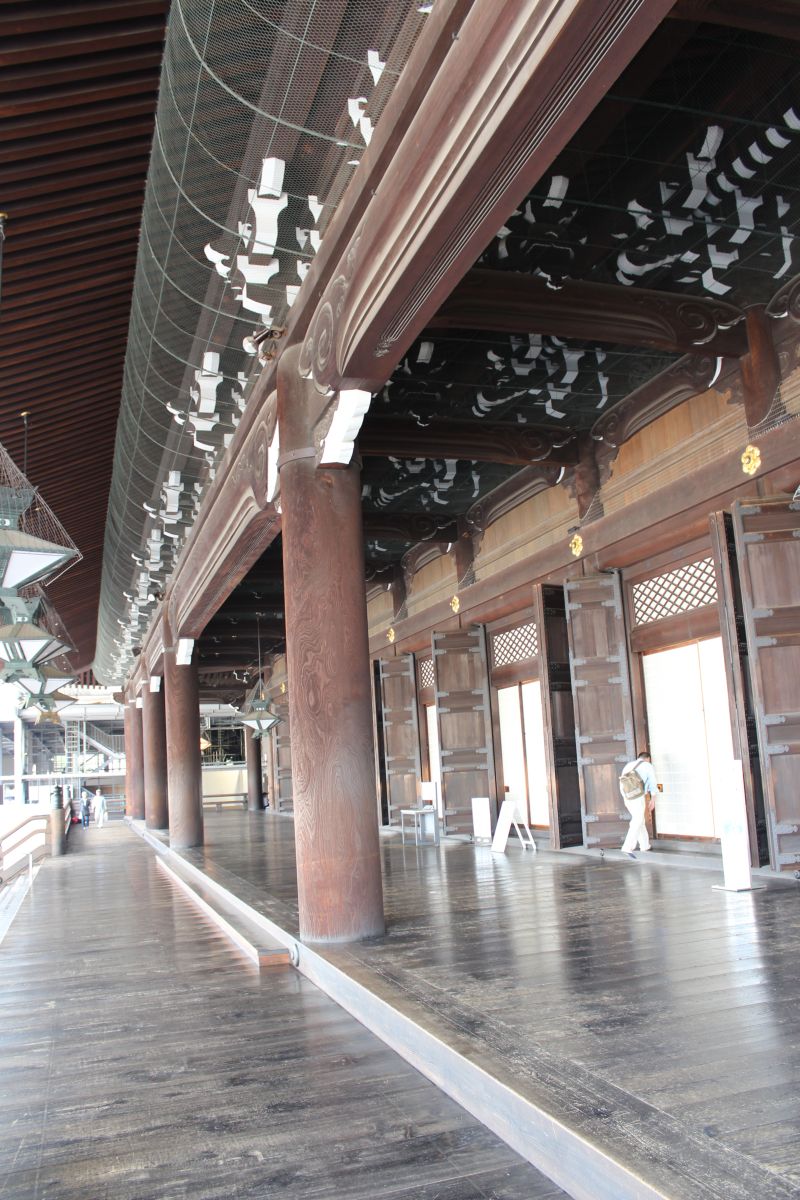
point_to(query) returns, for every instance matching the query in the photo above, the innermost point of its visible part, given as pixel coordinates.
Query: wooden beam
(235, 526)
(515, 86)
(489, 97)
(508, 302)
(410, 527)
(779, 18)
(513, 445)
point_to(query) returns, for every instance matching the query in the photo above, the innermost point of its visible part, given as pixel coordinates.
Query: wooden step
(260, 948)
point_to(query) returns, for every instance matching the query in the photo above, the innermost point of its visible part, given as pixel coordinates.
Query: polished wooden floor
(662, 1016)
(142, 1058)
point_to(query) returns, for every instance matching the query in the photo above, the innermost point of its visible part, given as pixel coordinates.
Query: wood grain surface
(658, 1017)
(142, 1058)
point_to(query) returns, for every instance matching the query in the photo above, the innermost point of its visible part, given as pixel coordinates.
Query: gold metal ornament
(283, 689)
(455, 604)
(390, 635)
(751, 460)
(576, 545)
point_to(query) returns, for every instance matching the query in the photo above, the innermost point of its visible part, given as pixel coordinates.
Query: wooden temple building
(458, 346)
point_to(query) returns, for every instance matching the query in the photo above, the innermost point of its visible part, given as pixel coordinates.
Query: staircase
(102, 739)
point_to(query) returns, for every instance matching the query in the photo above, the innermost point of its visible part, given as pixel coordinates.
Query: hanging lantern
(27, 643)
(43, 682)
(48, 708)
(257, 715)
(24, 558)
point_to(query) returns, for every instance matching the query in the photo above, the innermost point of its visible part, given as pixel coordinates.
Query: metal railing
(227, 800)
(112, 743)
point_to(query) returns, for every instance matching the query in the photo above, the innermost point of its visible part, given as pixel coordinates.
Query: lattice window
(515, 645)
(678, 591)
(425, 672)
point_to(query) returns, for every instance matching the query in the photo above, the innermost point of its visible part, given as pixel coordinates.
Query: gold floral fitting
(390, 635)
(576, 545)
(455, 604)
(751, 460)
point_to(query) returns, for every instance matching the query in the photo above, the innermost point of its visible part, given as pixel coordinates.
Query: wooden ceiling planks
(78, 93)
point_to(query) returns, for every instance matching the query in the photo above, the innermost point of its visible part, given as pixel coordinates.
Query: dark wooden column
(184, 776)
(134, 762)
(333, 761)
(252, 756)
(154, 732)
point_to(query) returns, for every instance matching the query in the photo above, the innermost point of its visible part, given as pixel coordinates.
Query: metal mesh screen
(265, 108)
(678, 591)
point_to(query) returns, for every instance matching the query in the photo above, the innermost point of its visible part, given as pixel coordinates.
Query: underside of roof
(263, 113)
(79, 85)
(681, 187)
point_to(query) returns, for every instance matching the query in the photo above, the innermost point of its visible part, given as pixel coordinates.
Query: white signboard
(509, 816)
(481, 818)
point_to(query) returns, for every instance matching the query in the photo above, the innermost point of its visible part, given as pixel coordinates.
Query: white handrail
(38, 837)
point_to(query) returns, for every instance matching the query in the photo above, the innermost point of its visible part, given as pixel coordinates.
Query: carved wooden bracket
(583, 481)
(688, 377)
(523, 486)
(318, 357)
(786, 301)
(465, 555)
(761, 372)
(508, 302)
(391, 577)
(416, 558)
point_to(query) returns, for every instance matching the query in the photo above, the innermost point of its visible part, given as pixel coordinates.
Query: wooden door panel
(283, 759)
(400, 733)
(738, 674)
(461, 680)
(558, 712)
(602, 699)
(768, 547)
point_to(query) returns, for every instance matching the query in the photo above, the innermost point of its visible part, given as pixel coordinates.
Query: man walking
(638, 787)
(100, 808)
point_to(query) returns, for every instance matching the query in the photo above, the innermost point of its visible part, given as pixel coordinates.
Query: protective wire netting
(22, 507)
(265, 108)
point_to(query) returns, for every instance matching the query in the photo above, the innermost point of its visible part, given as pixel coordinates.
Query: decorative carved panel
(515, 645)
(691, 586)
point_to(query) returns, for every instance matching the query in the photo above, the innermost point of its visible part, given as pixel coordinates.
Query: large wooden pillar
(184, 777)
(333, 764)
(154, 732)
(134, 761)
(252, 758)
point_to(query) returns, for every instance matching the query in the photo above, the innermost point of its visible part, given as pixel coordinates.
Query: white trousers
(637, 831)
(100, 820)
